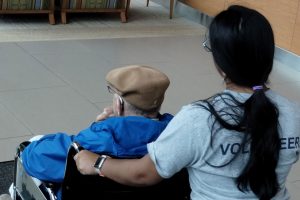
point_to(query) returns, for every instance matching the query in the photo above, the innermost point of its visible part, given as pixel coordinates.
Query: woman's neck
(241, 89)
(237, 88)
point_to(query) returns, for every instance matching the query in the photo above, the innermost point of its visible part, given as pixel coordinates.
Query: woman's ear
(223, 75)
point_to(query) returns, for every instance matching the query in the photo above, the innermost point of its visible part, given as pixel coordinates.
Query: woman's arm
(134, 172)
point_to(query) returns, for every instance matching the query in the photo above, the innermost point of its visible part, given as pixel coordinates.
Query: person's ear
(220, 71)
(119, 106)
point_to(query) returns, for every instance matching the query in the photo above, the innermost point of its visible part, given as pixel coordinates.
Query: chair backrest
(78, 186)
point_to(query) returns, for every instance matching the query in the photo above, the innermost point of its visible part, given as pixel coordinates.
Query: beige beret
(142, 86)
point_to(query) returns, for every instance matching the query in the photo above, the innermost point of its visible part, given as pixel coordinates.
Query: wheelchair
(76, 186)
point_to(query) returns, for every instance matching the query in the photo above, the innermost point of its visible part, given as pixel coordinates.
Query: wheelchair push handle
(77, 146)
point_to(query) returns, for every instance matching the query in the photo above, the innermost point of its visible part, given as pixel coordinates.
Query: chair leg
(123, 17)
(63, 15)
(171, 8)
(127, 8)
(51, 18)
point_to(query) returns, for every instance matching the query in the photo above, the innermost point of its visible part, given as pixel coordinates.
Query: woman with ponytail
(238, 144)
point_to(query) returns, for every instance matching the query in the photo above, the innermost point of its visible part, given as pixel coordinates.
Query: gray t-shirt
(187, 142)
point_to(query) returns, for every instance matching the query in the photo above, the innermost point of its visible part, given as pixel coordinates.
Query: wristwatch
(99, 163)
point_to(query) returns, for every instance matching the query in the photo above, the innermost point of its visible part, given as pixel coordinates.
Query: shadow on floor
(6, 175)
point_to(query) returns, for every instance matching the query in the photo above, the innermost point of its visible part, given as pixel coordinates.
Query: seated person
(122, 130)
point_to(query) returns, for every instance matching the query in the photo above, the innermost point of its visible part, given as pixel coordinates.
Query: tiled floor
(56, 86)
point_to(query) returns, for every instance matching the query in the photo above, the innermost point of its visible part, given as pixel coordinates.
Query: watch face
(97, 163)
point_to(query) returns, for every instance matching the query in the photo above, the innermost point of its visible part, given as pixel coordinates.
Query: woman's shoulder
(194, 106)
(193, 110)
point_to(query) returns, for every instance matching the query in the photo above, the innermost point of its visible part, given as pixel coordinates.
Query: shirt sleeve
(99, 138)
(181, 143)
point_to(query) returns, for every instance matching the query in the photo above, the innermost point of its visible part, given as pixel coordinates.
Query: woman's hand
(85, 161)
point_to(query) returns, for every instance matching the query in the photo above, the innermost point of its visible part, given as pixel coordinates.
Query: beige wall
(295, 46)
(210, 7)
(284, 15)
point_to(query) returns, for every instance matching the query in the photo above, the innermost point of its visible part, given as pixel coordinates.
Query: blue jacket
(45, 159)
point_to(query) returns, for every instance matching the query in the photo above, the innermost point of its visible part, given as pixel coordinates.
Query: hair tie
(257, 87)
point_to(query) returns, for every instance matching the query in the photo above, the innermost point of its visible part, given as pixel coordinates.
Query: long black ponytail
(242, 45)
(261, 123)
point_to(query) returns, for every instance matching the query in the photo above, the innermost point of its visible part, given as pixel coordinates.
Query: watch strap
(99, 163)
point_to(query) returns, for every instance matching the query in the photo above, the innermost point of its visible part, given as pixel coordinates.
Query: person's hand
(107, 112)
(85, 161)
